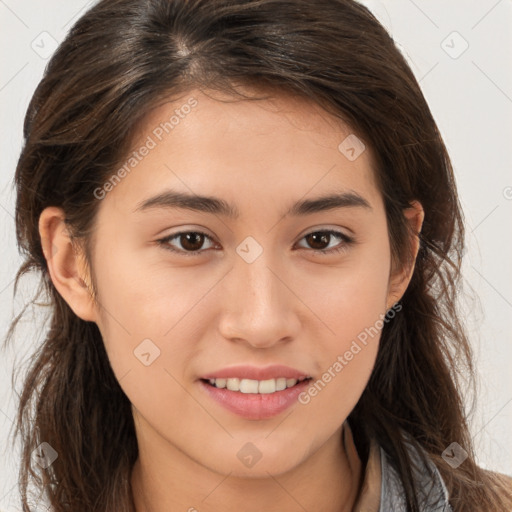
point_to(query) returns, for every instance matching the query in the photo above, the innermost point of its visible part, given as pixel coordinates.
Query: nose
(260, 307)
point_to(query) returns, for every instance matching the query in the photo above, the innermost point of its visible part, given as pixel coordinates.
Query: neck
(164, 478)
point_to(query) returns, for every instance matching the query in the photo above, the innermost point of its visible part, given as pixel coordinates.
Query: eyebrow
(217, 206)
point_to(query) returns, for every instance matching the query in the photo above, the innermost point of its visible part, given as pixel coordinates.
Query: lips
(255, 393)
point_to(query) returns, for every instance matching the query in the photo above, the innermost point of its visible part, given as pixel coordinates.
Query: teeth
(267, 386)
(233, 384)
(220, 383)
(248, 386)
(280, 384)
(255, 386)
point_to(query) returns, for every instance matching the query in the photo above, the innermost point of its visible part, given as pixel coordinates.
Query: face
(196, 295)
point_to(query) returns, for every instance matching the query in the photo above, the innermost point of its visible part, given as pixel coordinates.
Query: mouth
(255, 393)
(252, 386)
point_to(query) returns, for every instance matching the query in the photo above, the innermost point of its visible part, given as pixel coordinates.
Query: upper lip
(256, 373)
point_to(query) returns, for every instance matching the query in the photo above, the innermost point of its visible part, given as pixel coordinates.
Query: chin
(259, 470)
(249, 461)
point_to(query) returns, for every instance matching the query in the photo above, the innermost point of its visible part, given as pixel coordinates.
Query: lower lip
(255, 406)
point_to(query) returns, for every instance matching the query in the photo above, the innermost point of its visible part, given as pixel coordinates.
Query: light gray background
(470, 95)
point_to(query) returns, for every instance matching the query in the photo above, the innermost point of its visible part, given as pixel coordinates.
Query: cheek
(352, 306)
(150, 296)
(144, 328)
(352, 297)
(141, 307)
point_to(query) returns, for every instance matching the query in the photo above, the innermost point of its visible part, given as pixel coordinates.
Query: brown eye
(189, 243)
(319, 241)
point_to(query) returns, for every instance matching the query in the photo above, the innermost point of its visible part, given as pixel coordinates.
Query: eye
(316, 238)
(190, 242)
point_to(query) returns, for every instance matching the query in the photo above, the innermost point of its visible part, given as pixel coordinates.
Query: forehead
(247, 150)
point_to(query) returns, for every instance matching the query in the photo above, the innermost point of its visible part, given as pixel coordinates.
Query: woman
(247, 224)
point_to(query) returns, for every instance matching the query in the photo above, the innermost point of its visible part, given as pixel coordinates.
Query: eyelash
(164, 242)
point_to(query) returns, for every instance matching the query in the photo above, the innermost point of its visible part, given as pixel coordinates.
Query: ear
(399, 281)
(66, 264)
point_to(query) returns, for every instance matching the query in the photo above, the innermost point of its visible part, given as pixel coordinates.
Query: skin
(214, 309)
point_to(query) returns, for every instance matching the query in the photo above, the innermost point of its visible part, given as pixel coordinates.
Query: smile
(267, 386)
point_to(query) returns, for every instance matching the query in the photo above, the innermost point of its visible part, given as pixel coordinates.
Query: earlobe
(66, 264)
(399, 282)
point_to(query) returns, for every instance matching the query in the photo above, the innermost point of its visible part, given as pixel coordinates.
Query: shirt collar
(381, 489)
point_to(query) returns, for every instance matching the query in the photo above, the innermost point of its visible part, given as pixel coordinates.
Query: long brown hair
(122, 58)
